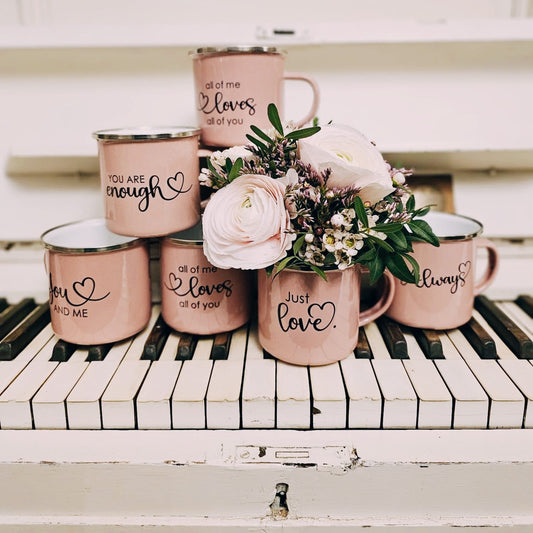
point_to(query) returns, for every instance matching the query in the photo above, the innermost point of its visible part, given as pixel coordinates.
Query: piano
(414, 431)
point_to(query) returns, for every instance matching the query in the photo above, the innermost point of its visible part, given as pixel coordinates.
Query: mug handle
(316, 94)
(492, 267)
(384, 302)
(204, 152)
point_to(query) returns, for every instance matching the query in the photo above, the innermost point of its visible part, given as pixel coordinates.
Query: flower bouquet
(318, 198)
(302, 206)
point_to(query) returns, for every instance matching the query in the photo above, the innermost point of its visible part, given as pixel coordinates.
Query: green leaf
(410, 204)
(422, 211)
(258, 143)
(398, 268)
(369, 255)
(261, 134)
(400, 241)
(423, 230)
(381, 243)
(273, 116)
(376, 268)
(298, 244)
(319, 271)
(393, 227)
(213, 170)
(360, 211)
(283, 264)
(302, 134)
(235, 169)
(414, 264)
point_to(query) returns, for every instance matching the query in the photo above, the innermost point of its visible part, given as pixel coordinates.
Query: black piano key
(62, 351)
(156, 340)
(480, 340)
(9, 318)
(429, 341)
(525, 302)
(519, 343)
(363, 350)
(3, 304)
(221, 344)
(20, 337)
(98, 352)
(393, 337)
(267, 355)
(186, 346)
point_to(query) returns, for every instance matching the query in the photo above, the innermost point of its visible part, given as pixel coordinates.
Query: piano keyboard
(479, 376)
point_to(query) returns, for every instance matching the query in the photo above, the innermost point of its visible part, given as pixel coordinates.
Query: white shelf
(195, 35)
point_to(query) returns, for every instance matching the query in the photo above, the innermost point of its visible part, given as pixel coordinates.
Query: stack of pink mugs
(99, 276)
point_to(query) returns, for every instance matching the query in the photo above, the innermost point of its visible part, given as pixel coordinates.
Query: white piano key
(223, 409)
(521, 372)
(364, 397)
(223, 396)
(471, 404)
(49, 403)
(83, 403)
(329, 397)
(118, 400)
(519, 316)
(435, 406)
(170, 349)
(253, 349)
(376, 342)
(507, 404)
(15, 401)
(9, 370)
(188, 399)
(259, 393)
(153, 401)
(237, 347)
(259, 386)
(293, 397)
(399, 398)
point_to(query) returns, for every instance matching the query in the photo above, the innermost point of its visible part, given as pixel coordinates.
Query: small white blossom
(309, 238)
(337, 220)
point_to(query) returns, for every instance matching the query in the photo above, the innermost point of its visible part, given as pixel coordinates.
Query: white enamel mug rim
(146, 133)
(86, 236)
(207, 51)
(453, 227)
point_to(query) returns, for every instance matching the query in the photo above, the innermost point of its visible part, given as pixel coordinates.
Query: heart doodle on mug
(322, 315)
(174, 283)
(85, 290)
(203, 101)
(464, 268)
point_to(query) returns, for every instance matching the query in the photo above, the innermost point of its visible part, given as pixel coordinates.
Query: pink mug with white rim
(149, 179)
(197, 297)
(235, 85)
(99, 283)
(443, 298)
(305, 320)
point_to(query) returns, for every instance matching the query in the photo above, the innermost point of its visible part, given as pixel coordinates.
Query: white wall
(438, 85)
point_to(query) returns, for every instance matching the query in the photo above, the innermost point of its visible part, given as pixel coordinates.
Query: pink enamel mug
(197, 297)
(443, 298)
(305, 320)
(99, 283)
(149, 179)
(234, 86)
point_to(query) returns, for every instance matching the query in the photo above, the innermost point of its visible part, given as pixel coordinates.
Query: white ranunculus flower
(352, 158)
(246, 224)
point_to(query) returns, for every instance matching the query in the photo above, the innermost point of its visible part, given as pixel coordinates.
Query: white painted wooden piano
(164, 432)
